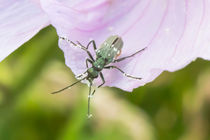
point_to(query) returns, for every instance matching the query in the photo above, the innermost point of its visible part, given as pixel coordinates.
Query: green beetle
(105, 55)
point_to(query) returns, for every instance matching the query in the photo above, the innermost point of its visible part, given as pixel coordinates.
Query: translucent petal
(19, 21)
(175, 33)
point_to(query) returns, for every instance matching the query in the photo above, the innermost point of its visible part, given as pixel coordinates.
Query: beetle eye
(106, 60)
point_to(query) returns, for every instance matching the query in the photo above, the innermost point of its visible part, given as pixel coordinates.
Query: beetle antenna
(90, 95)
(68, 86)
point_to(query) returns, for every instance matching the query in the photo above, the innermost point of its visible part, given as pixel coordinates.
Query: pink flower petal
(19, 21)
(175, 33)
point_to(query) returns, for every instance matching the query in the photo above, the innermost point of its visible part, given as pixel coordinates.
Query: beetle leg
(94, 45)
(90, 61)
(123, 58)
(81, 76)
(79, 46)
(86, 49)
(127, 75)
(103, 80)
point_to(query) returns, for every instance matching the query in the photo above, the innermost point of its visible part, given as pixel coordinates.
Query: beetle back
(110, 49)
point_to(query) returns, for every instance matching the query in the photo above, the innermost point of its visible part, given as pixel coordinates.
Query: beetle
(107, 54)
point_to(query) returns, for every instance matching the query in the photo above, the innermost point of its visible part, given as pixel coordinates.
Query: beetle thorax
(99, 64)
(92, 73)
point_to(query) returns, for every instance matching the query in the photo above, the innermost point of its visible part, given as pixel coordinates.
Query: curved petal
(175, 33)
(20, 20)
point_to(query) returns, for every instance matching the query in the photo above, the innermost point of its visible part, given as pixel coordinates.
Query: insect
(107, 54)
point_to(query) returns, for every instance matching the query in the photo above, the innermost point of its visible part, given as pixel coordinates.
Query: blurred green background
(176, 106)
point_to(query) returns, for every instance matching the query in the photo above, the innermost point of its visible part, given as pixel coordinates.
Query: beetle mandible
(107, 54)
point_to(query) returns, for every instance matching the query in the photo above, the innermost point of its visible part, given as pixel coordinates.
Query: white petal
(19, 21)
(175, 33)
